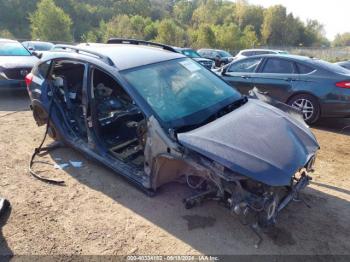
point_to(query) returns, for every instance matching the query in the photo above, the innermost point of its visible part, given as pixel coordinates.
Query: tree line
(197, 23)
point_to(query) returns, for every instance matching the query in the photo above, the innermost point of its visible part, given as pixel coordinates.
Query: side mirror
(38, 55)
(224, 71)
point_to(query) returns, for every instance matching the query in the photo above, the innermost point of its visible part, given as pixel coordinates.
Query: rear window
(42, 69)
(190, 53)
(263, 52)
(13, 49)
(43, 46)
(304, 69)
(248, 53)
(278, 66)
(330, 67)
(224, 54)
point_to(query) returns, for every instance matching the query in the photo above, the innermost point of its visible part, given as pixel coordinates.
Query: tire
(53, 132)
(267, 217)
(308, 105)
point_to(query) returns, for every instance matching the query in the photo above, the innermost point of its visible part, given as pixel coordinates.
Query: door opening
(121, 125)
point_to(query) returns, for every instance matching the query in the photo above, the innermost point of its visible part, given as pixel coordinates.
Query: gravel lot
(98, 212)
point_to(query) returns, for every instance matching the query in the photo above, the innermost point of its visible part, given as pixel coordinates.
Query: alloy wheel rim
(305, 106)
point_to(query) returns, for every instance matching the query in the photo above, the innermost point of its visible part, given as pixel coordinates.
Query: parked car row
(316, 87)
(17, 60)
(15, 63)
(252, 52)
(220, 57)
(207, 63)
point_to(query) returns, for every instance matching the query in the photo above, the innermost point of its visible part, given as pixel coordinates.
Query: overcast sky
(334, 14)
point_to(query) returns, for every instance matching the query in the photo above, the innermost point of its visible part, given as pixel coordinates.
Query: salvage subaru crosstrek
(154, 116)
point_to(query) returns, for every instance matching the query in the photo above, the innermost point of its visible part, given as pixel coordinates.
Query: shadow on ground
(14, 101)
(5, 251)
(336, 125)
(211, 229)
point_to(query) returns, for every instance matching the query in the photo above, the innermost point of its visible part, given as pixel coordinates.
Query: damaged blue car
(154, 116)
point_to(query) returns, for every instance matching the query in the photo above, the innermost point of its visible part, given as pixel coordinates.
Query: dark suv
(220, 57)
(154, 116)
(208, 63)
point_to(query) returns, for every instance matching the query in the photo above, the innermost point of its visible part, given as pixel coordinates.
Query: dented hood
(256, 140)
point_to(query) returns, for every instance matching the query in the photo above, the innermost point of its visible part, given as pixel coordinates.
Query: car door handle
(245, 77)
(263, 92)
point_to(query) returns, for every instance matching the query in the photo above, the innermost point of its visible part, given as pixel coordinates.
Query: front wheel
(307, 105)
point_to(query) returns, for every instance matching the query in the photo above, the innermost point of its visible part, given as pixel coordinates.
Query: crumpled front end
(256, 140)
(258, 159)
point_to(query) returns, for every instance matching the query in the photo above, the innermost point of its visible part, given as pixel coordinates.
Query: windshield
(13, 49)
(190, 53)
(181, 91)
(224, 54)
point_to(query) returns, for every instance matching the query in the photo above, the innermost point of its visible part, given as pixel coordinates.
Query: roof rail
(140, 42)
(104, 58)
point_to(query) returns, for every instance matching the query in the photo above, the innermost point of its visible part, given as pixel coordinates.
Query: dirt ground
(98, 212)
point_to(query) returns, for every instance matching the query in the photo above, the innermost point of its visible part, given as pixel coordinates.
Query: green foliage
(125, 26)
(6, 34)
(249, 38)
(14, 16)
(50, 22)
(342, 40)
(273, 27)
(183, 11)
(170, 33)
(313, 34)
(228, 37)
(204, 36)
(199, 23)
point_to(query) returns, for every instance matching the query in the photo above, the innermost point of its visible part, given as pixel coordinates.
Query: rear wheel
(307, 105)
(52, 132)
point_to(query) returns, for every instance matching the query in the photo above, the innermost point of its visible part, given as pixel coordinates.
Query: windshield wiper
(226, 109)
(218, 113)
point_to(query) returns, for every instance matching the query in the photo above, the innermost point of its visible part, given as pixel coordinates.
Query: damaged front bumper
(300, 184)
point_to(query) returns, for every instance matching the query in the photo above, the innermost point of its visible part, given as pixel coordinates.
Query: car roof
(4, 40)
(257, 49)
(288, 56)
(37, 42)
(182, 48)
(343, 62)
(125, 56)
(208, 49)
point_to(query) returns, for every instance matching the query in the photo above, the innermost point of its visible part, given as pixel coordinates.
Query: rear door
(276, 77)
(239, 74)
